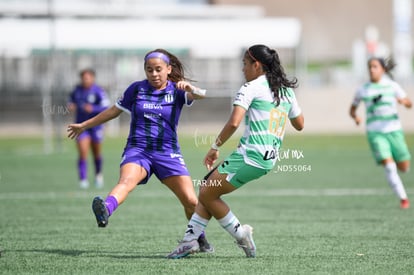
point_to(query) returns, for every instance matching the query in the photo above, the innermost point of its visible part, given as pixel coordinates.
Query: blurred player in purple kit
(88, 100)
(152, 147)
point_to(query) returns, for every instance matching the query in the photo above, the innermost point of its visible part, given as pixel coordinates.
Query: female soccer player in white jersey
(268, 102)
(385, 135)
(152, 147)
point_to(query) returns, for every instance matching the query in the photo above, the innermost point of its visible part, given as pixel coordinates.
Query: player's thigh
(238, 171)
(183, 188)
(96, 140)
(83, 145)
(132, 174)
(380, 146)
(214, 187)
(399, 148)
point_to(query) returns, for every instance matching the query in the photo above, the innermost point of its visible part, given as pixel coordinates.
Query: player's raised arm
(406, 102)
(228, 130)
(193, 91)
(75, 129)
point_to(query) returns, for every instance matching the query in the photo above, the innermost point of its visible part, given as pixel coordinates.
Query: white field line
(342, 192)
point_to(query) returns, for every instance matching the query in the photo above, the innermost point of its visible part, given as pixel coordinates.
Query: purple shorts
(162, 164)
(95, 134)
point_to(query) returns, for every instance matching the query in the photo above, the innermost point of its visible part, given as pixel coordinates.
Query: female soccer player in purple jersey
(267, 102)
(152, 147)
(88, 100)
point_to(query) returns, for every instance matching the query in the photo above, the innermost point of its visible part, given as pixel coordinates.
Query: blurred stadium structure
(44, 44)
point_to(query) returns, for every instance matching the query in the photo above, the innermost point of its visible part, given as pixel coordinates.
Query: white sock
(232, 225)
(394, 180)
(195, 227)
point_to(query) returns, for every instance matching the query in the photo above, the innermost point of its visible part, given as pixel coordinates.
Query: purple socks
(111, 204)
(83, 169)
(98, 165)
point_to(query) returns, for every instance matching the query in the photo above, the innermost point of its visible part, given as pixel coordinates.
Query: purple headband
(159, 55)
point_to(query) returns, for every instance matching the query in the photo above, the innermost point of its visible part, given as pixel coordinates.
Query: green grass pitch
(338, 218)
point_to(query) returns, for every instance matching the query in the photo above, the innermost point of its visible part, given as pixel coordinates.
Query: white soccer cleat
(84, 184)
(247, 243)
(99, 181)
(184, 249)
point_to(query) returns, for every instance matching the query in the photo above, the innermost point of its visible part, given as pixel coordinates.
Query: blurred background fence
(44, 45)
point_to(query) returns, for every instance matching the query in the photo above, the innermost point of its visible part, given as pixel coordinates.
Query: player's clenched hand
(74, 130)
(88, 108)
(211, 158)
(184, 85)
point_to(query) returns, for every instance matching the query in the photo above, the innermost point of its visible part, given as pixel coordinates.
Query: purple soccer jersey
(154, 116)
(95, 96)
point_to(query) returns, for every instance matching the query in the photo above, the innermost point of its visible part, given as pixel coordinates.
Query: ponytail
(275, 74)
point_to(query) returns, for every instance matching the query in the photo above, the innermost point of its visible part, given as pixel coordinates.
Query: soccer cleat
(247, 243)
(405, 204)
(204, 245)
(184, 249)
(99, 181)
(84, 184)
(100, 211)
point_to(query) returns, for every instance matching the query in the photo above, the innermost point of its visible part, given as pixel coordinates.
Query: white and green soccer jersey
(381, 105)
(265, 122)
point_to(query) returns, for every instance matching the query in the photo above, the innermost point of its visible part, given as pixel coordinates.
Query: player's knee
(190, 204)
(404, 167)
(127, 182)
(97, 156)
(83, 157)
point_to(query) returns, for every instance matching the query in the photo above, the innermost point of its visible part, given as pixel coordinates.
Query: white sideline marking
(251, 193)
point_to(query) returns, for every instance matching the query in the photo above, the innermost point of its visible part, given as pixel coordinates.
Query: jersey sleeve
(182, 98)
(71, 98)
(102, 103)
(244, 97)
(295, 110)
(358, 97)
(399, 91)
(126, 101)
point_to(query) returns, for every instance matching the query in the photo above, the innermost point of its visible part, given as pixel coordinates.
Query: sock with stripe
(195, 228)
(232, 225)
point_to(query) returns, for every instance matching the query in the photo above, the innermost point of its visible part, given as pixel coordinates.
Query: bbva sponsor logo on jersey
(169, 98)
(152, 106)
